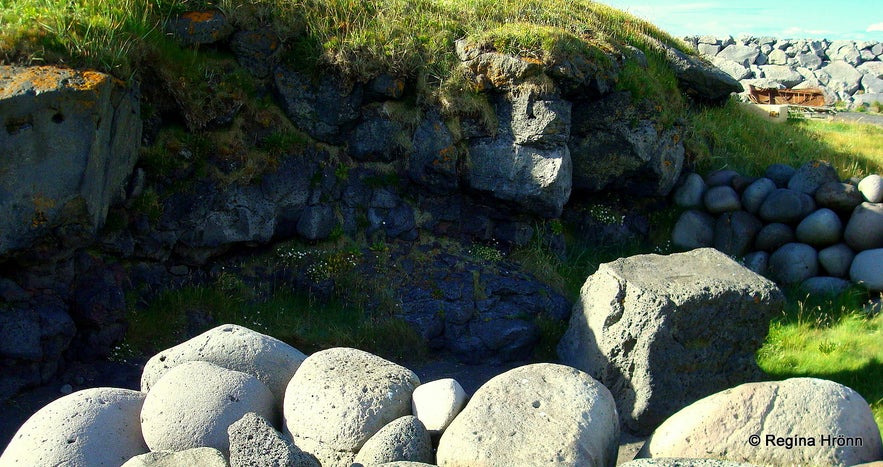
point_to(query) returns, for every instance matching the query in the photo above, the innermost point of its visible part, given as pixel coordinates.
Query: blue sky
(785, 19)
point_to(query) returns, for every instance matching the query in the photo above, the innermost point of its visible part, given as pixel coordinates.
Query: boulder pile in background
(847, 71)
(801, 226)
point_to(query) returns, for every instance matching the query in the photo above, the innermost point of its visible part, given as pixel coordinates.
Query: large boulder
(615, 146)
(339, 398)
(97, 427)
(71, 141)
(864, 231)
(195, 403)
(800, 421)
(535, 415)
(839, 76)
(528, 162)
(203, 457)
(793, 263)
(234, 347)
(867, 269)
(403, 439)
(664, 331)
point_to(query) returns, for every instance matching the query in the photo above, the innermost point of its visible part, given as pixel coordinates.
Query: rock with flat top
(663, 331)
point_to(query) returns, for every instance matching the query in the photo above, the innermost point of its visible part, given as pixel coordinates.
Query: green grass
(298, 319)
(830, 339)
(359, 38)
(733, 137)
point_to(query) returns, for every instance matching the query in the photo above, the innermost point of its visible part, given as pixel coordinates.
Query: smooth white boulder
(234, 347)
(535, 415)
(793, 422)
(194, 403)
(437, 403)
(341, 397)
(196, 457)
(92, 427)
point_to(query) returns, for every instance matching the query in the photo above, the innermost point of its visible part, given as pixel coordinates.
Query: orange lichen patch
(200, 16)
(532, 60)
(39, 79)
(90, 80)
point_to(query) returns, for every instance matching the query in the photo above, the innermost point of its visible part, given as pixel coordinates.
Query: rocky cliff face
(70, 141)
(361, 159)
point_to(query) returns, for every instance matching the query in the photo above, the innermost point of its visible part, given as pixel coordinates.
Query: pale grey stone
(201, 457)
(194, 403)
(437, 403)
(536, 415)
(639, 321)
(871, 187)
(98, 426)
(720, 426)
(403, 439)
(234, 347)
(341, 397)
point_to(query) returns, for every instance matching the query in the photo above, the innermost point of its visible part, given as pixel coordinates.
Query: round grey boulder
(841, 197)
(403, 439)
(193, 404)
(694, 229)
(201, 457)
(234, 347)
(794, 263)
(437, 403)
(786, 206)
(806, 413)
(96, 426)
(871, 187)
(535, 415)
(812, 175)
(780, 174)
(756, 193)
(772, 236)
(867, 269)
(820, 229)
(734, 232)
(864, 231)
(758, 262)
(823, 285)
(341, 397)
(720, 199)
(836, 259)
(721, 177)
(691, 191)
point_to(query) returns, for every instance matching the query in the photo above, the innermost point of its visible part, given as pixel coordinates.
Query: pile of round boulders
(215, 400)
(800, 227)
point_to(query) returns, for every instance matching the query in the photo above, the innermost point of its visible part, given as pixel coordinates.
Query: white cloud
(877, 27)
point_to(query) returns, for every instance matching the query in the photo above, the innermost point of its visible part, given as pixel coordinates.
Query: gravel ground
(859, 117)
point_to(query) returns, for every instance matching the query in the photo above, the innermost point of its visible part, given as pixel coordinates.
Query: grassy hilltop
(414, 39)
